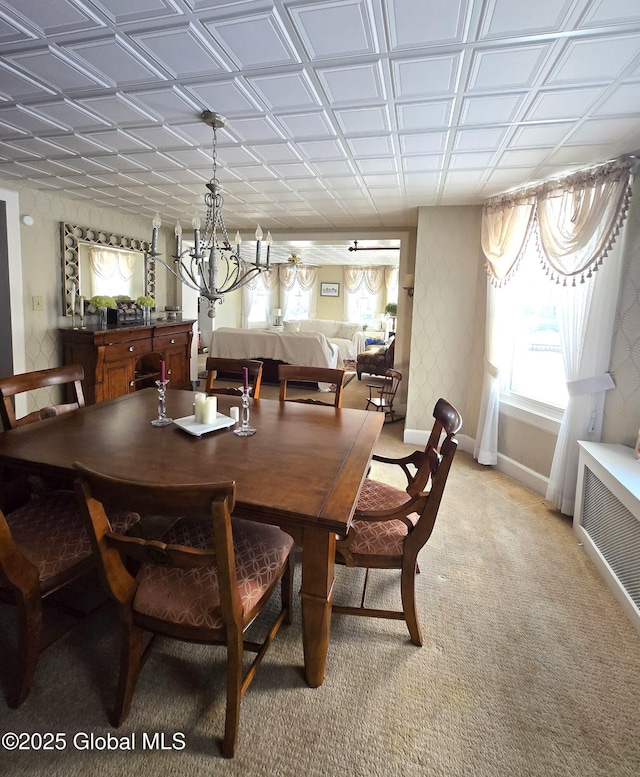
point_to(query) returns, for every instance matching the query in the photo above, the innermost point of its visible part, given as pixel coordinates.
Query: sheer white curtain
(574, 222)
(297, 291)
(111, 271)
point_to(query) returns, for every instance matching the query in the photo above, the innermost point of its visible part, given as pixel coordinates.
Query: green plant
(146, 302)
(391, 309)
(123, 298)
(102, 301)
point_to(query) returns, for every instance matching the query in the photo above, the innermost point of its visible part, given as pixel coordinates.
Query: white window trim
(528, 411)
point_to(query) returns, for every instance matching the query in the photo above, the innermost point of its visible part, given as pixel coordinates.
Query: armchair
(377, 359)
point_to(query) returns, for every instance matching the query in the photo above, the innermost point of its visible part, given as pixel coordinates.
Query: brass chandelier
(212, 267)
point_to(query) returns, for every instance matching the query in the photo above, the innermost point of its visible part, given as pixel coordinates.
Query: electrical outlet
(38, 304)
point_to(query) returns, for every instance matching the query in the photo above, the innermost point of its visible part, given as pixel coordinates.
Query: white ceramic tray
(188, 423)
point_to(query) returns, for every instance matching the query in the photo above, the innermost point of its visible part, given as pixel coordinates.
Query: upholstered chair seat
(51, 534)
(192, 596)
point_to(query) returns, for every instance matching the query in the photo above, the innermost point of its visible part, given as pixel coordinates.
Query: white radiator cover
(607, 518)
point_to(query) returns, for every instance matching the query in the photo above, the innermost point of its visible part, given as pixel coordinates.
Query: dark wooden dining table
(302, 471)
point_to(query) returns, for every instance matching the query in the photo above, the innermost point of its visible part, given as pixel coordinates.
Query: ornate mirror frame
(72, 234)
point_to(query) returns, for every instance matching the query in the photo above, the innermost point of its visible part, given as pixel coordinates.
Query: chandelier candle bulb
(178, 233)
(156, 224)
(199, 407)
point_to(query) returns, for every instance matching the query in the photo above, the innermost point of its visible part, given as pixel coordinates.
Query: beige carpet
(529, 669)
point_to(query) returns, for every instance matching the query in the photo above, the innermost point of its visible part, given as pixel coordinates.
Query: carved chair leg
(29, 614)
(234, 693)
(408, 593)
(131, 650)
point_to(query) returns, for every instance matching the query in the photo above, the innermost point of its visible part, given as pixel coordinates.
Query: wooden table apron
(301, 471)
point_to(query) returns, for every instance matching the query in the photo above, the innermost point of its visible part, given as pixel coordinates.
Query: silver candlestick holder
(244, 430)
(162, 419)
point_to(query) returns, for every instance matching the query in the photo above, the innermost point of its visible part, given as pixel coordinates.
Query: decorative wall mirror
(79, 276)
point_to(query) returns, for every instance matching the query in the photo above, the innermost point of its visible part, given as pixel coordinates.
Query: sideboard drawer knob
(132, 383)
(131, 348)
(172, 341)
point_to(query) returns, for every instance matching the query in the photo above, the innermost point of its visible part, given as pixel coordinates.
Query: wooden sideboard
(122, 359)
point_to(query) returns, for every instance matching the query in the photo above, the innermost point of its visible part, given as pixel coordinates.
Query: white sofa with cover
(348, 337)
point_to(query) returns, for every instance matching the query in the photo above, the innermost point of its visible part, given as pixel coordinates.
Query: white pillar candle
(234, 412)
(210, 410)
(199, 407)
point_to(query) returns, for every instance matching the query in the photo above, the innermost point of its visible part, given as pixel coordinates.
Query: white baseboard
(513, 469)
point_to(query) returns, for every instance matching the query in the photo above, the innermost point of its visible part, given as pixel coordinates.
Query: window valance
(574, 222)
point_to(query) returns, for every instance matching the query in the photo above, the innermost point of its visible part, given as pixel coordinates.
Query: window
(532, 338)
(298, 305)
(259, 305)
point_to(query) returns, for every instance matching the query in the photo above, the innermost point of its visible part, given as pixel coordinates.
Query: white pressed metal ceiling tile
(491, 109)
(118, 163)
(381, 146)
(53, 17)
(525, 157)
(260, 129)
(337, 28)
(159, 137)
(424, 77)
(423, 142)
(289, 172)
(386, 165)
(168, 104)
(335, 167)
(168, 48)
(624, 100)
(116, 140)
(354, 121)
(322, 149)
(602, 131)
(255, 40)
(286, 91)
(475, 139)
(15, 86)
(67, 114)
(512, 67)
(425, 114)
(236, 155)
(54, 71)
(114, 109)
(123, 11)
(76, 144)
(425, 22)
(21, 148)
(22, 119)
(506, 17)
(153, 160)
(353, 84)
(562, 104)
(228, 97)
(478, 160)
(593, 60)
(276, 152)
(610, 12)
(193, 158)
(543, 134)
(307, 125)
(574, 155)
(423, 162)
(114, 63)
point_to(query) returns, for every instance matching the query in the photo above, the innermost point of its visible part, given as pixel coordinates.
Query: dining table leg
(318, 566)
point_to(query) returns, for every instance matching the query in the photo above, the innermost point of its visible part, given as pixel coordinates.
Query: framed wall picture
(329, 289)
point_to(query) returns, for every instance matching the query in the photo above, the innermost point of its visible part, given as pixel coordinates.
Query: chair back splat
(205, 580)
(391, 525)
(232, 368)
(312, 375)
(71, 375)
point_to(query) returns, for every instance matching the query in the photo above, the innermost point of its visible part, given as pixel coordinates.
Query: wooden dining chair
(391, 525)
(205, 580)
(383, 392)
(218, 365)
(311, 375)
(44, 545)
(70, 375)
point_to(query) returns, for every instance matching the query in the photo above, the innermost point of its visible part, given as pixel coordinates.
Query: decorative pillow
(291, 326)
(347, 331)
